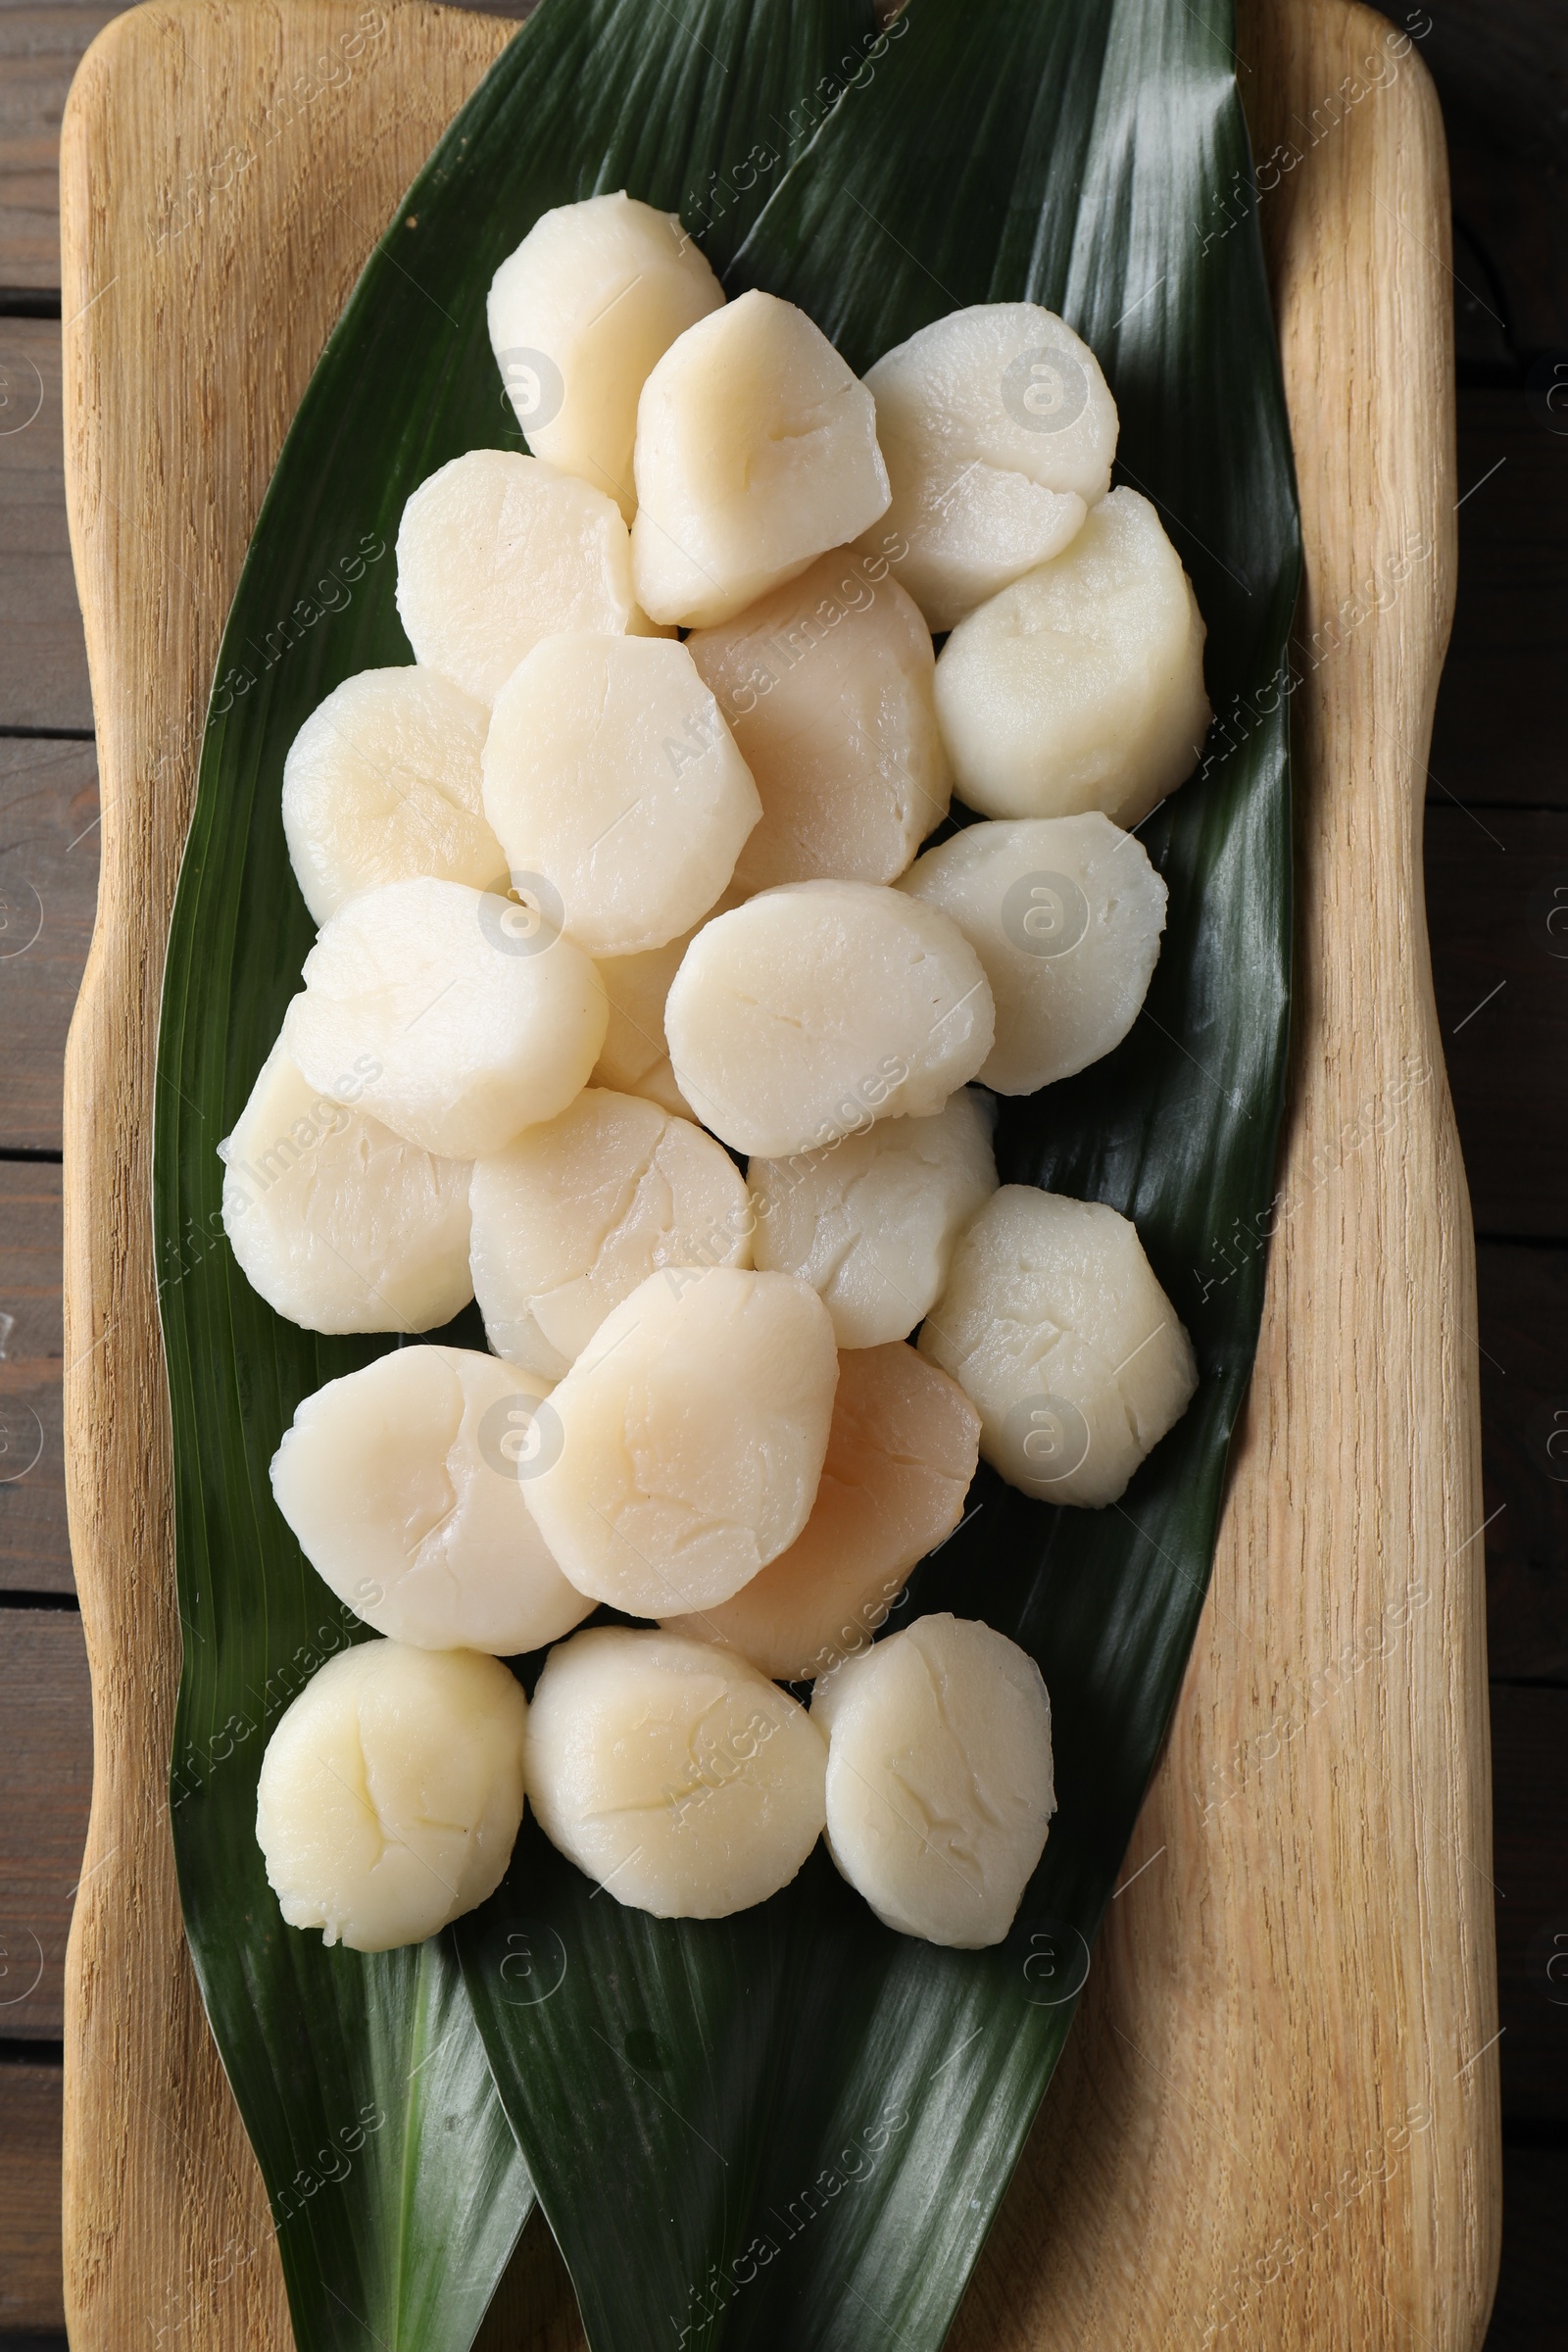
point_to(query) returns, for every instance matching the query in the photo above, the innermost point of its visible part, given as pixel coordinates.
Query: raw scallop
(610, 773)
(755, 453)
(1054, 1323)
(871, 1223)
(338, 1223)
(404, 1483)
(382, 781)
(998, 431)
(674, 1774)
(496, 550)
(477, 1022)
(391, 1793)
(634, 1058)
(1081, 686)
(569, 1218)
(901, 1454)
(693, 1432)
(595, 294)
(815, 1006)
(827, 685)
(1065, 913)
(940, 1787)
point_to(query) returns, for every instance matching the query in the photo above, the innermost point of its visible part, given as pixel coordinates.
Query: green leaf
(804, 2124)
(790, 2127)
(400, 2237)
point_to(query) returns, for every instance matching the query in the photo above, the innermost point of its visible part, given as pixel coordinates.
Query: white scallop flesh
(496, 550)
(1053, 1322)
(391, 1793)
(338, 1223)
(692, 1435)
(901, 1455)
(569, 1218)
(998, 431)
(674, 1774)
(634, 1058)
(609, 772)
(594, 295)
(1065, 913)
(812, 1007)
(1081, 686)
(382, 781)
(404, 1484)
(871, 1223)
(827, 684)
(755, 453)
(940, 1787)
(478, 1020)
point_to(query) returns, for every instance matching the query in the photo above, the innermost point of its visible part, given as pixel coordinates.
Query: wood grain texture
(1277, 2121)
(29, 2210)
(43, 679)
(48, 896)
(186, 355)
(46, 1707)
(40, 43)
(34, 1541)
(1304, 1971)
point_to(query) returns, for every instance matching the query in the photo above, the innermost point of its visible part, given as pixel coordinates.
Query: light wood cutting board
(1278, 2117)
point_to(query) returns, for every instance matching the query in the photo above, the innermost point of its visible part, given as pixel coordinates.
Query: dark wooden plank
(43, 660)
(46, 1706)
(1498, 732)
(1523, 1430)
(40, 46)
(1498, 67)
(1530, 1872)
(31, 2274)
(42, 42)
(48, 893)
(34, 1546)
(1494, 741)
(1499, 959)
(1510, 617)
(1501, 71)
(1531, 2313)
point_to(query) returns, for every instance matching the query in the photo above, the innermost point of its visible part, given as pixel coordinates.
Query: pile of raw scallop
(638, 1014)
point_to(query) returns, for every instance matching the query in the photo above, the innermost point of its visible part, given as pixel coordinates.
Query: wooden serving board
(1278, 2117)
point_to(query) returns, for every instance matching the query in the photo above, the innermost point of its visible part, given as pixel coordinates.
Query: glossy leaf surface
(790, 2128)
(400, 2237)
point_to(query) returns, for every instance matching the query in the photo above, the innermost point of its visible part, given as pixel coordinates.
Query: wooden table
(1497, 851)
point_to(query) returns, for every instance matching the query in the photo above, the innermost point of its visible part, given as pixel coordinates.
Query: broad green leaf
(392, 2231)
(803, 2122)
(790, 2127)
